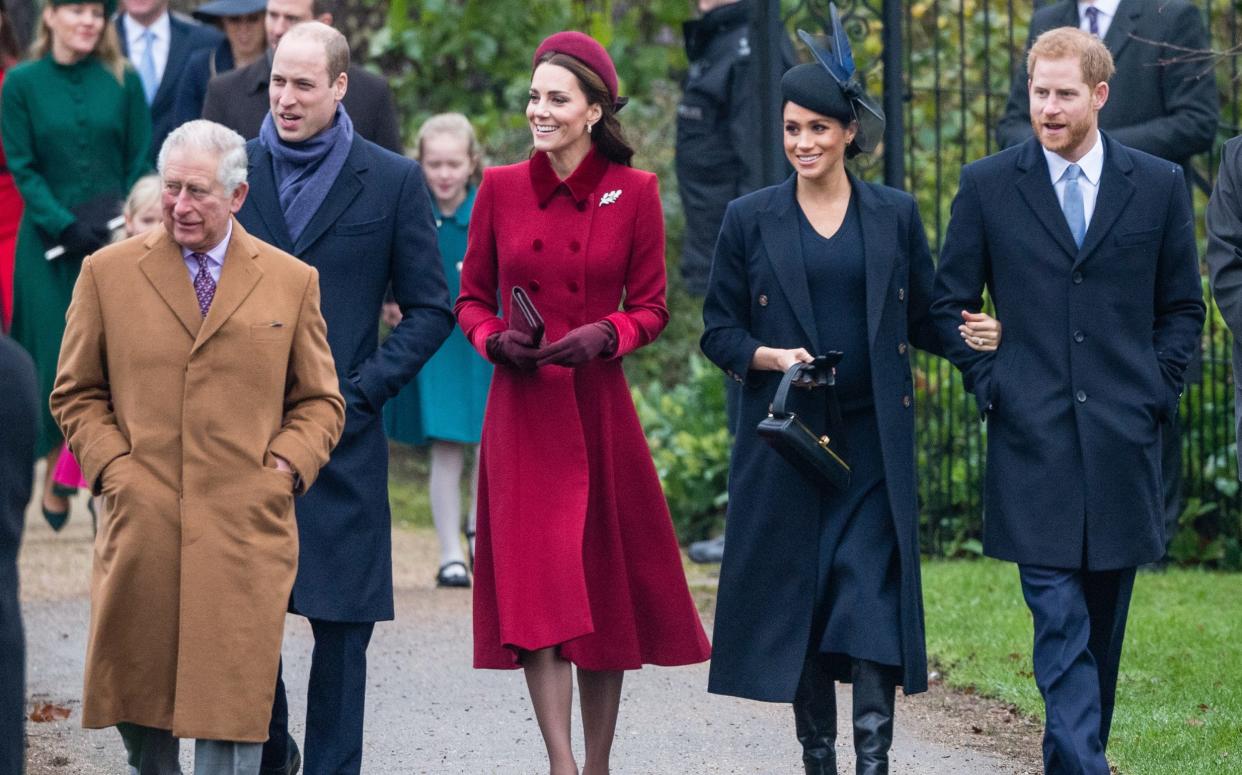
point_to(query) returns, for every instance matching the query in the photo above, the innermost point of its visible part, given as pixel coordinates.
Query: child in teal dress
(444, 405)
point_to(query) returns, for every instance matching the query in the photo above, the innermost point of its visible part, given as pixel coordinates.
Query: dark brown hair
(606, 135)
(10, 52)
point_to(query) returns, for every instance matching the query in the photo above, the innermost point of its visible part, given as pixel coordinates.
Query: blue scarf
(305, 171)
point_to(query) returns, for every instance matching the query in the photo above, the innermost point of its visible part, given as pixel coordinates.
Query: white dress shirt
(162, 29)
(215, 257)
(1107, 9)
(1092, 166)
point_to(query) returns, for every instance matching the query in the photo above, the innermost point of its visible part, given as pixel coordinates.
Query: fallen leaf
(1195, 722)
(48, 712)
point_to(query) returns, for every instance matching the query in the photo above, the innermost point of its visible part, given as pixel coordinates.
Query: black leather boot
(875, 686)
(815, 718)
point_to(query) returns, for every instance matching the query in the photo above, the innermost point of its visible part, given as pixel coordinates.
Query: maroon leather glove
(582, 344)
(513, 348)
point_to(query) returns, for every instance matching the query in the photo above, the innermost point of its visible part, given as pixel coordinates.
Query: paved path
(429, 712)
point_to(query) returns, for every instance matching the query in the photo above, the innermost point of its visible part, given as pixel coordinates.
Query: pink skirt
(67, 472)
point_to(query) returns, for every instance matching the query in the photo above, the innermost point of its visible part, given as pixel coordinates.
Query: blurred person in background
(245, 41)
(10, 199)
(76, 130)
(444, 405)
(159, 44)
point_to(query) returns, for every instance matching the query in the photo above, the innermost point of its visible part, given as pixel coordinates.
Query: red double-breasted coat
(575, 547)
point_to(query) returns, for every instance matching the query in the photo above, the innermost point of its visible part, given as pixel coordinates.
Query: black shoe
(291, 767)
(711, 550)
(446, 579)
(875, 687)
(815, 718)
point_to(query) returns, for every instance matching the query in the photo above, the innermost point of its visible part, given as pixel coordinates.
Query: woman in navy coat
(820, 584)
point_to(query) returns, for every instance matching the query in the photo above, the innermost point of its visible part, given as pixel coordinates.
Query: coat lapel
(238, 277)
(344, 190)
(1036, 189)
(1112, 198)
(879, 251)
(266, 197)
(781, 241)
(165, 270)
(1122, 28)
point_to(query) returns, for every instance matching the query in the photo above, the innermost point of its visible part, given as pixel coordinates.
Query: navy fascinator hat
(832, 86)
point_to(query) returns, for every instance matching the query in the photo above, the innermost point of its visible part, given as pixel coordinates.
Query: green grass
(1179, 704)
(407, 485)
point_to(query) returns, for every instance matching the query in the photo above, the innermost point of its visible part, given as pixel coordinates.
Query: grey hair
(228, 147)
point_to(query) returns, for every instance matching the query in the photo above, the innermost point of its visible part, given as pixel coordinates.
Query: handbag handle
(782, 391)
(777, 409)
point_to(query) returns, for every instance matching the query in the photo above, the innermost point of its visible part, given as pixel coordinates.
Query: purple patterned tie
(204, 285)
(1093, 20)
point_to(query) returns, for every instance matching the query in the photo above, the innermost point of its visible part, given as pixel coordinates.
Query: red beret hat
(585, 48)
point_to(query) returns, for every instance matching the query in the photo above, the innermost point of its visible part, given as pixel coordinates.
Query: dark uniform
(718, 145)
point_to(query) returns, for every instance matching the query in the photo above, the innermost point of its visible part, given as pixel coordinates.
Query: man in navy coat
(362, 216)
(1087, 248)
(158, 44)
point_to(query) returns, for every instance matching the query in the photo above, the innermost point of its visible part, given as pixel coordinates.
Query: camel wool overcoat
(175, 419)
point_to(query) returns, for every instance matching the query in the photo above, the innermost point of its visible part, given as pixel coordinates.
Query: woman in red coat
(576, 560)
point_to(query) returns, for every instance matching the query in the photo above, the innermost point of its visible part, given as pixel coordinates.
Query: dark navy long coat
(758, 295)
(1095, 342)
(374, 229)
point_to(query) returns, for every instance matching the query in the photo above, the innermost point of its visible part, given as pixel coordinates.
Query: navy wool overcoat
(758, 295)
(375, 229)
(1095, 342)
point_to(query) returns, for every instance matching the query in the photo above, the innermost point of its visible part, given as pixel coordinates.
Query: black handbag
(100, 214)
(819, 457)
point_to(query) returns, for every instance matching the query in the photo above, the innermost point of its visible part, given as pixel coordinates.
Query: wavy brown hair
(606, 136)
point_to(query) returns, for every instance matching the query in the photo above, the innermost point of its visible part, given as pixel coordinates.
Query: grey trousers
(156, 752)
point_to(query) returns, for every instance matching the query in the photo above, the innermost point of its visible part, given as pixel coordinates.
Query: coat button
(582, 207)
(1081, 396)
(574, 246)
(901, 294)
(573, 286)
(901, 349)
(1079, 336)
(1077, 278)
(763, 300)
(537, 244)
(906, 401)
(534, 286)
(543, 206)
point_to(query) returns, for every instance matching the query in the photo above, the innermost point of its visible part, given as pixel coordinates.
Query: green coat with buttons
(71, 133)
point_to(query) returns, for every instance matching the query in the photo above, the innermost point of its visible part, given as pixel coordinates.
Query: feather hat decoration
(838, 60)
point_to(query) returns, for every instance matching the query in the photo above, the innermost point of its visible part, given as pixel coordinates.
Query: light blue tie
(146, 65)
(1071, 204)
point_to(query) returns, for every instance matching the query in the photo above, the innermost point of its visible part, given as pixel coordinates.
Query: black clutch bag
(819, 457)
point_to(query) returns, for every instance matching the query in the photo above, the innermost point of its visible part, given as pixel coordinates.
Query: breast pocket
(271, 331)
(1141, 237)
(359, 227)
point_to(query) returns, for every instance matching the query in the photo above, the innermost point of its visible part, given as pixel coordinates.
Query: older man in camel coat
(198, 392)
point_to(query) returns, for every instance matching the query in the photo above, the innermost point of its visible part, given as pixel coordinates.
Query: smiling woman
(76, 131)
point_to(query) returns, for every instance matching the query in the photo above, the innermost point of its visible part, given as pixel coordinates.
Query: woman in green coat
(76, 130)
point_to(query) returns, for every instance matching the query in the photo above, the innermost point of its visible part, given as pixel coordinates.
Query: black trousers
(1080, 623)
(335, 703)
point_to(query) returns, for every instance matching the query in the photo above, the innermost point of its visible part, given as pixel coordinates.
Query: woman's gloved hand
(513, 348)
(79, 239)
(580, 345)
